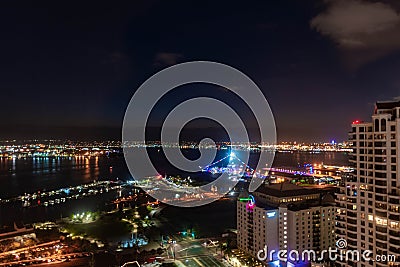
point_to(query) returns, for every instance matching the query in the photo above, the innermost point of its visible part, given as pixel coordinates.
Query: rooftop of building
(327, 200)
(324, 196)
(387, 104)
(286, 190)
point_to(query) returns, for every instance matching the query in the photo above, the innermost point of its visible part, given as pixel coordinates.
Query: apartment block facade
(286, 217)
(368, 215)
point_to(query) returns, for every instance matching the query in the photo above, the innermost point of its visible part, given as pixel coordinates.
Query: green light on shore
(245, 199)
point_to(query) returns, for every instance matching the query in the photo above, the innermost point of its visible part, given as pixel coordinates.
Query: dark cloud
(363, 30)
(167, 59)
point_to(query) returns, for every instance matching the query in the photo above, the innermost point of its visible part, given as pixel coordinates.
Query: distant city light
(66, 190)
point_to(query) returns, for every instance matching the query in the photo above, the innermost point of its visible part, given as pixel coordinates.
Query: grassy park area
(107, 227)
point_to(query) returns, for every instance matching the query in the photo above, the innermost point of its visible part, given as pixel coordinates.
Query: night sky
(69, 70)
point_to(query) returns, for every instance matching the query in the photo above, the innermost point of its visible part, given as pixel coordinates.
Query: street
(192, 253)
(202, 261)
(81, 262)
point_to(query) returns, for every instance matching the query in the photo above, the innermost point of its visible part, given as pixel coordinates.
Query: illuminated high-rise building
(369, 199)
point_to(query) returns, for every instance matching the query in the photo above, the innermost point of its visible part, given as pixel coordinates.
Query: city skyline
(70, 72)
(201, 134)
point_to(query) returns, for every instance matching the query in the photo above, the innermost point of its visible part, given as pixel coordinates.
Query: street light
(173, 246)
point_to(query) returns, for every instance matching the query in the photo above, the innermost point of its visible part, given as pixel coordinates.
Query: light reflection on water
(18, 176)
